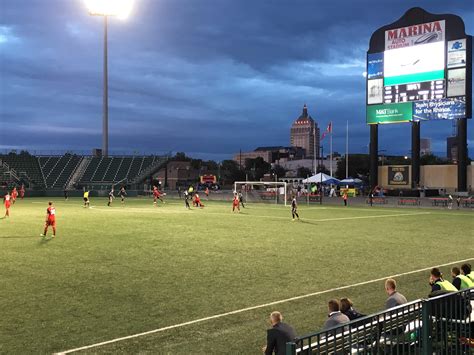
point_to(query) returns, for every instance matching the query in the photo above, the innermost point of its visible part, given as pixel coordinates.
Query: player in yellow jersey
(86, 198)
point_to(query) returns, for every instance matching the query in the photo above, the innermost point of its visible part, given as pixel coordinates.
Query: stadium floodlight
(118, 8)
(106, 8)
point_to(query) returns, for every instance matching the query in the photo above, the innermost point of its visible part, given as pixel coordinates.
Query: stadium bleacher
(57, 172)
(27, 167)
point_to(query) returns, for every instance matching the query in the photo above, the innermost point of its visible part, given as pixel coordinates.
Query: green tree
(278, 170)
(303, 172)
(256, 168)
(358, 166)
(230, 172)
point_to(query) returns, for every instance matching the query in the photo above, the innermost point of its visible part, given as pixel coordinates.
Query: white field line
(221, 315)
(146, 210)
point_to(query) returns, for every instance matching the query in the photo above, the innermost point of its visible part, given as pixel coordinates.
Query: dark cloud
(207, 77)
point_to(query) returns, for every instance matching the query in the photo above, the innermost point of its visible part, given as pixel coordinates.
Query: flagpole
(347, 149)
(330, 151)
(314, 148)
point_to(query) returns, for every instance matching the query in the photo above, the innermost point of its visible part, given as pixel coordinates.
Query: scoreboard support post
(415, 154)
(462, 154)
(374, 149)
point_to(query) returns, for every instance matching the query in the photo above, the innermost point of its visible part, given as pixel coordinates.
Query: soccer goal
(261, 191)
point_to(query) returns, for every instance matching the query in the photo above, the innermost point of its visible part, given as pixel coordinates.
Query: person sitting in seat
(461, 282)
(335, 315)
(395, 298)
(438, 283)
(348, 309)
(466, 270)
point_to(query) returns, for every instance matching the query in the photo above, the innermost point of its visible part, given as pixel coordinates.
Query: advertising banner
(392, 113)
(375, 66)
(399, 175)
(375, 91)
(443, 109)
(456, 82)
(415, 35)
(457, 53)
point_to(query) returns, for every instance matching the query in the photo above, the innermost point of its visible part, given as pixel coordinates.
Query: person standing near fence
(278, 335)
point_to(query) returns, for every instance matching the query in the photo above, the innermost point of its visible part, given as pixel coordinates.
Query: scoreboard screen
(418, 76)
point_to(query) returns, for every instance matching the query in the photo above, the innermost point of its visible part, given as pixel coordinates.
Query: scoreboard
(419, 73)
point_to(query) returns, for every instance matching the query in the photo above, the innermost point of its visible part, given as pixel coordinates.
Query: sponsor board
(399, 175)
(374, 91)
(443, 109)
(456, 53)
(456, 82)
(393, 113)
(415, 35)
(375, 66)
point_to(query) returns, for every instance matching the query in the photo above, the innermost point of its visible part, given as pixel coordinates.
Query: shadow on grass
(44, 240)
(18, 237)
(307, 222)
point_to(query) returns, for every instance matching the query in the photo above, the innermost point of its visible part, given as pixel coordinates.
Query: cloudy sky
(208, 77)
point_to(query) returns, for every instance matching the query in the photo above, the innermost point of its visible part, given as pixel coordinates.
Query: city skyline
(204, 78)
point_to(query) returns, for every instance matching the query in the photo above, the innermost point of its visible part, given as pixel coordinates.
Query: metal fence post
(426, 336)
(290, 348)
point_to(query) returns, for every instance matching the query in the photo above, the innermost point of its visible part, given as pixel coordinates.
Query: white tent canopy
(320, 177)
(351, 181)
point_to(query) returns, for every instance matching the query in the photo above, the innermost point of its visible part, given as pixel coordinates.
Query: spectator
(438, 284)
(461, 282)
(278, 335)
(335, 315)
(348, 309)
(466, 270)
(395, 298)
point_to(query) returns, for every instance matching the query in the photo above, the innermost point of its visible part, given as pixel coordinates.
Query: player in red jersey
(7, 202)
(236, 202)
(197, 200)
(22, 191)
(14, 195)
(50, 219)
(156, 195)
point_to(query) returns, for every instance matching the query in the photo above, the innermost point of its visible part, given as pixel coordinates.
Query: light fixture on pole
(106, 8)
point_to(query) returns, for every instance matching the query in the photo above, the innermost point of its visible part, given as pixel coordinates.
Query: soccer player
(156, 195)
(236, 202)
(241, 199)
(111, 197)
(197, 200)
(186, 199)
(206, 191)
(14, 195)
(294, 208)
(122, 194)
(86, 199)
(22, 191)
(7, 202)
(50, 219)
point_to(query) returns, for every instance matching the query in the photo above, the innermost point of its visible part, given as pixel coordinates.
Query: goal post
(266, 190)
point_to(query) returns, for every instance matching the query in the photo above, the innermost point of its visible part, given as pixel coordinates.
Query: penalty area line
(242, 310)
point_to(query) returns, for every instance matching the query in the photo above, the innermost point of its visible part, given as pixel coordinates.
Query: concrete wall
(436, 176)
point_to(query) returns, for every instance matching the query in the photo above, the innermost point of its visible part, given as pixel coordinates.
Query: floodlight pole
(105, 118)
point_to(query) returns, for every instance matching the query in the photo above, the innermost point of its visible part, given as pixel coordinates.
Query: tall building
(425, 146)
(305, 134)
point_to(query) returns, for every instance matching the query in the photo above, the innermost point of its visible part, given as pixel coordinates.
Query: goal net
(260, 191)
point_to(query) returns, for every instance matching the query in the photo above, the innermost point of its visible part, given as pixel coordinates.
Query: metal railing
(439, 325)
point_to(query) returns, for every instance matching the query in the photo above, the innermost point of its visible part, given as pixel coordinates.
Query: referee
(294, 207)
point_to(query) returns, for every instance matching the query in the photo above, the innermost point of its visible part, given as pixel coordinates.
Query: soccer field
(122, 270)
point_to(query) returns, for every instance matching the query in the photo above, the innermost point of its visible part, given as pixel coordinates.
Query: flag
(328, 130)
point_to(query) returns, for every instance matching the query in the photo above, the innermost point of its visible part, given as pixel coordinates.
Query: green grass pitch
(113, 272)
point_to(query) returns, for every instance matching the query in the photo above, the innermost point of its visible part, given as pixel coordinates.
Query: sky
(206, 77)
